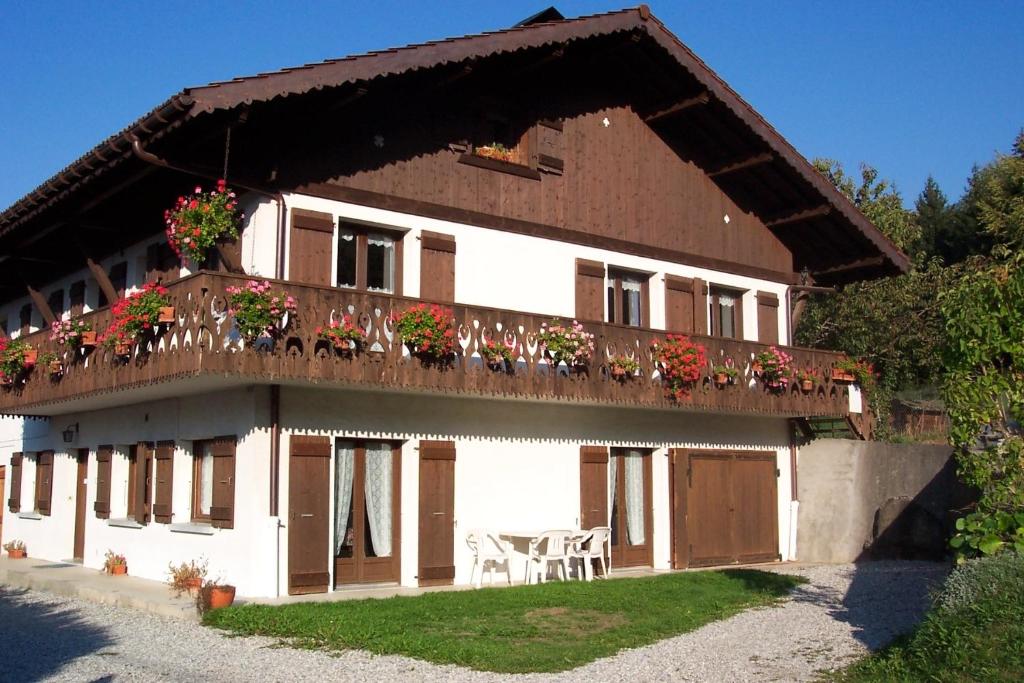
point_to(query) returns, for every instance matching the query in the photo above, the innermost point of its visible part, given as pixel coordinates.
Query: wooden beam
(702, 98)
(41, 304)
(757, 160)
(800, 216)
(103, 280)
(853, 265)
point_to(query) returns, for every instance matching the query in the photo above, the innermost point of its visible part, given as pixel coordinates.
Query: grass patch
(545, 628)
(974, 631)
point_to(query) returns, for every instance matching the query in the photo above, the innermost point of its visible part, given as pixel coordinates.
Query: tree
(938, 221)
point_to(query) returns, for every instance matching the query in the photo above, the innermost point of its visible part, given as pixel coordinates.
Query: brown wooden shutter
(222, 507)
(437, 267)
(104, 455)
(44, 482)
(679, 308)
(14, 501)
(77, 298)
(550, 152)
(700, 306)
(589, 290)
(593, 486)
(437, 513)
(143, 503)
(162, 499)
(310, 247)
(767, 318)
(738, 312)
(56, 303)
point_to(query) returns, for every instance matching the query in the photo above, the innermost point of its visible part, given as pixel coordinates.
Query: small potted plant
(344, 335)
(215, 595)
(805, 378)
(137, 316)
(680, 362)
(427, 331)
(845, 371)
(15, 549)
(186, 577)
(115, 564)
(622, 367)
(52, 363)
(259, 310)
(73, 334)
(569, 344)
(498, 355)
(16, 358)
(725, 373)
(776, 367)
(201, 220)
(495, 150)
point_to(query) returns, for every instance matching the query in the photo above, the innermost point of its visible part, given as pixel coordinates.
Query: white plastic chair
(590, 547)
(548, 547)
(488, 547)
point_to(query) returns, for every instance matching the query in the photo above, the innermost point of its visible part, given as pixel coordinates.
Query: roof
(543, 29)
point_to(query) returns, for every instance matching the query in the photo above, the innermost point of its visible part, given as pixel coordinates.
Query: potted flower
(115, 564)
(137, 315)
(72, 334)
(623, 367)
(15, 549)
(775, 368)
(499, 356)
(495, 150)
(259, 310)
(197, 222)
(566, 343)
(805, 378)
(16, 357)
(849, 371)
(51, 362)
(427, 331)
(215, 595)
(680, 362)
(725, 373)
(344, 335)
(186, 577)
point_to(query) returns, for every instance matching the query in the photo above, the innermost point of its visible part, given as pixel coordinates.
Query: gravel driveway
(841, 613)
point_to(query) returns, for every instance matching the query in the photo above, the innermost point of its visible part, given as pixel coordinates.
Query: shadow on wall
(38, 637)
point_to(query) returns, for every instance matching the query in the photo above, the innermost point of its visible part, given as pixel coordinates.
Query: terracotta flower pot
(806, 385)
(220, 596)
(843, 376)
(757, 368)
(721, 378)
(56, 367)
(123, 349)
(618, 373)
(16, 554)
(88, 340)
(31, 355)
(193, 585)
(119, 569)
(166, 315)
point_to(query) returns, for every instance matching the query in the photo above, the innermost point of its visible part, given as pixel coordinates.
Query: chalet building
(592, 169)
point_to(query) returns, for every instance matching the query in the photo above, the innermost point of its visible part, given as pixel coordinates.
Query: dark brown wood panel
(104, 456)
(700, 306)
(589, 290)
(678, 486)
(310, 247)
(593, 486)
(143, 500)
(222, 505)
(767, 318)
(755, 507)
(164, 494)
(309, 488)
(709, 505)
(437, 267)
(14, 501)
(44, 482)
(679, 307)
(437, 513)
(81, 480)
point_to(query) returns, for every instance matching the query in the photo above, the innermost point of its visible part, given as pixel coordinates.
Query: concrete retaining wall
(869, 500)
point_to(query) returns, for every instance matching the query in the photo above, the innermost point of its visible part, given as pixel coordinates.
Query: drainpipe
(275, 447)
(794, 502)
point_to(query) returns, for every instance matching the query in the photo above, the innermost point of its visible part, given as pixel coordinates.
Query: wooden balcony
(201, 351)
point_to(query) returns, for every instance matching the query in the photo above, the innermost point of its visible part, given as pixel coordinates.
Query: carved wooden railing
(203, 341)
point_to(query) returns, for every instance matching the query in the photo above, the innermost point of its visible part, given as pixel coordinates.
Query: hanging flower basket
(344, 335)
(52, 363)
(16, 358)
(197, 222)
(776, 367)
(136, 316)
(88, 340)
(680, 362)
(427, 331)
(166, 315)
(725, 374)
(805, 378)
(259, 310)
(499, 355)
(622, 368)
(569, 344)
(72, 334)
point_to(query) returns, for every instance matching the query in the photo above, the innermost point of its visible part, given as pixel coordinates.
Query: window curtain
(345, 465)
(631, 302)
(378, 496)
(380, 263)
(634, 465)
(206, 481)
(727, 308)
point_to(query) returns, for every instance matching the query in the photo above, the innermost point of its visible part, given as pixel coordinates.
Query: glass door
(630, 482)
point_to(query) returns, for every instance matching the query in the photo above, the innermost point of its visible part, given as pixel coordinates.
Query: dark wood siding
(104, 456)
(679, 306)
(142, 505)
(14, 501)
(222, 507)
(593, 486)
(164, 494)
(310, 243)
(309, 489)
(437, 267)
(44, 482)
(767, 318)
(437, 513)
(589, 290)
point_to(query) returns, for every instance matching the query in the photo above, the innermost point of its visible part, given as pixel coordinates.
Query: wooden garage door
(724, 507)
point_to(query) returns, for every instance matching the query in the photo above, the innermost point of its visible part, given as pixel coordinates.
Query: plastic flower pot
(119, 569)
(166, 316)
(220, 596)
(88, 340)
(16, 554)
(30, 358)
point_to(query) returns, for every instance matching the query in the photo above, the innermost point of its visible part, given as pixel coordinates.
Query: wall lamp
(70, 432)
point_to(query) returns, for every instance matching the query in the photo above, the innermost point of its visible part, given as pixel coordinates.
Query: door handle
(436, 514)
(307, 514)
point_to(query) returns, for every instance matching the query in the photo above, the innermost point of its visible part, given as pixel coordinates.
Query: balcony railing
(203, 342)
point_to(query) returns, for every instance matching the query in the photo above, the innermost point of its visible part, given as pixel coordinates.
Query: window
(56, 303)
(368, 259)
(202, 481)
(726, 307)
(627, 298)
(213, 481)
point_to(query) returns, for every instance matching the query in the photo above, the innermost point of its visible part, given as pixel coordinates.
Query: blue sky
(912, 88)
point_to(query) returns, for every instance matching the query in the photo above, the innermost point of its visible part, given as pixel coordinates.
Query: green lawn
(550, 627)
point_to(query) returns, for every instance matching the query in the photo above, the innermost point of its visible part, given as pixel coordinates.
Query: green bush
(988, 532)
(982, 579)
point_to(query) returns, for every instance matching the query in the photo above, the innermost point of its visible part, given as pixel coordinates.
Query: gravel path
(839, 615)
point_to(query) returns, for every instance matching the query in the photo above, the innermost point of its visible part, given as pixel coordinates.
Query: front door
(437, 513)
(631, 519)
(308, 514)
(80, 502)
(593, 486)
(367, 493)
